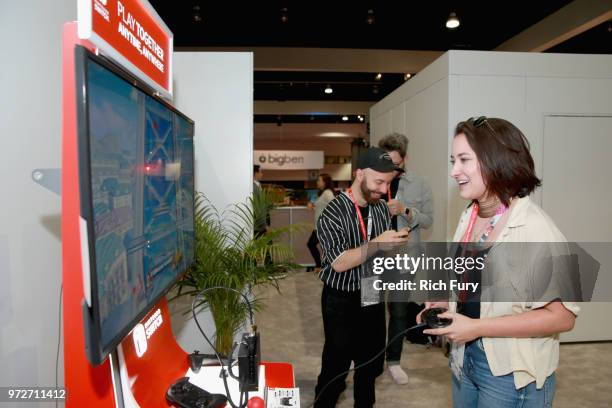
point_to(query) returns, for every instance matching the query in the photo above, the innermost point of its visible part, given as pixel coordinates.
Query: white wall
(216, 91)
(583, 163)
(419, 109)
(30, 247)
(530, 89)
(527, 89)
(521, 87)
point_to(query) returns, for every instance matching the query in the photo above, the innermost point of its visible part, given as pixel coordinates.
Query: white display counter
(283, 216)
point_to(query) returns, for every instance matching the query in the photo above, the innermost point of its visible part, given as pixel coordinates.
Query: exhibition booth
(145, 129)
(130, 172)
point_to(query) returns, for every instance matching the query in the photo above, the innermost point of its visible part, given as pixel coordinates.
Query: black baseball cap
(377, 159)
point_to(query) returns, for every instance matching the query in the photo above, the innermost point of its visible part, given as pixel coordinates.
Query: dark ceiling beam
(310, 107)
(567, 22)
(331, 59)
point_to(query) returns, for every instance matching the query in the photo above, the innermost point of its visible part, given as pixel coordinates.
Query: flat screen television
(136, 179)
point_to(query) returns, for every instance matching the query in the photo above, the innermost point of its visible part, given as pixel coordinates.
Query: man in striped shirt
(350, 230)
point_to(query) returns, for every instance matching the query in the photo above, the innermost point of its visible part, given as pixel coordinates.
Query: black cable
(59, 339)
(402, 333)
(246, 299)
(223, 372)
(229, 363)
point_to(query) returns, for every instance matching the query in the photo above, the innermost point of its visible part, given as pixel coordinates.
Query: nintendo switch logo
(100, 8)
(143, 332)
(140, 339)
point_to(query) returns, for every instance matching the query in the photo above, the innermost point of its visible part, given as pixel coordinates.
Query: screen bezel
(97, 351)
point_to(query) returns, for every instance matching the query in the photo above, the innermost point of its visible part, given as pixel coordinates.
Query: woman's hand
(430, 305)
(461, 330)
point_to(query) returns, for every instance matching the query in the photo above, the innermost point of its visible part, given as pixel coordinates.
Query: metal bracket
(51, 179)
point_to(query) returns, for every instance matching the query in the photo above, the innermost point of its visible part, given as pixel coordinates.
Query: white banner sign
(288, 159)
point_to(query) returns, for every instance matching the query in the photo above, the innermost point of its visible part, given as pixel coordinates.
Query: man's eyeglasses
(478, 121)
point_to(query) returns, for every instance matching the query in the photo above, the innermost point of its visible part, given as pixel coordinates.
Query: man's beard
(367, 193)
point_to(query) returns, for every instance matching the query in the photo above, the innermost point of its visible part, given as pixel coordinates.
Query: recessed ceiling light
(370, 19)
(197, 17)
(345, 118)
(284, 17)
(328, 89)
(378, 76)
(407, 76)
(334, 134)
(360, 118)
(453, 21)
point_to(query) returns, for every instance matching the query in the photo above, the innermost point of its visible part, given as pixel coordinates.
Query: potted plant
(228, 254)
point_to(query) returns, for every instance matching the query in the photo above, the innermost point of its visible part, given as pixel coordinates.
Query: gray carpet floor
(292, 331)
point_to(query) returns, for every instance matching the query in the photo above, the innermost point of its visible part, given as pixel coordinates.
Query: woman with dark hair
(504, 352)
(326, 193)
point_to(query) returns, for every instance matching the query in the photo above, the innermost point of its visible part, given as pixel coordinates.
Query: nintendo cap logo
(385, 156)
(140, 339)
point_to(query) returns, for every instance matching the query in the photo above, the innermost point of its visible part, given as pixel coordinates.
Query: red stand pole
(86, 386)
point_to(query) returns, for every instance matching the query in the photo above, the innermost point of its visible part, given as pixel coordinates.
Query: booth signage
(143, 332)
(288, 159)
(132, 33)
(140, 339)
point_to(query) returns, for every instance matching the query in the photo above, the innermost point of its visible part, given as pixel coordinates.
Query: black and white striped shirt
(339, 230)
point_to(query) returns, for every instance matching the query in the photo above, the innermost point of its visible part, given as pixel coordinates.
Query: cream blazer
(529, 359)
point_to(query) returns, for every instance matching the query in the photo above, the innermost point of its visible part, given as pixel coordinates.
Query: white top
(533, 358)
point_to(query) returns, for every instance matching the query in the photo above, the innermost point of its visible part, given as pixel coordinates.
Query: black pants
(352, 333)
(314, 250)
(399, 321)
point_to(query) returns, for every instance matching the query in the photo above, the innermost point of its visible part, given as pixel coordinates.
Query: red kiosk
(139, 369)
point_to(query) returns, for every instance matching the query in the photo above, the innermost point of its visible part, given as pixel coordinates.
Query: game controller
(187, 395)
(195, 361)
(430, 317)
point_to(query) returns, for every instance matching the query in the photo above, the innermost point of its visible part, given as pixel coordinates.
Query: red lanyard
(468, 233)
(463, 294)
(359, 216)
(470, 228)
